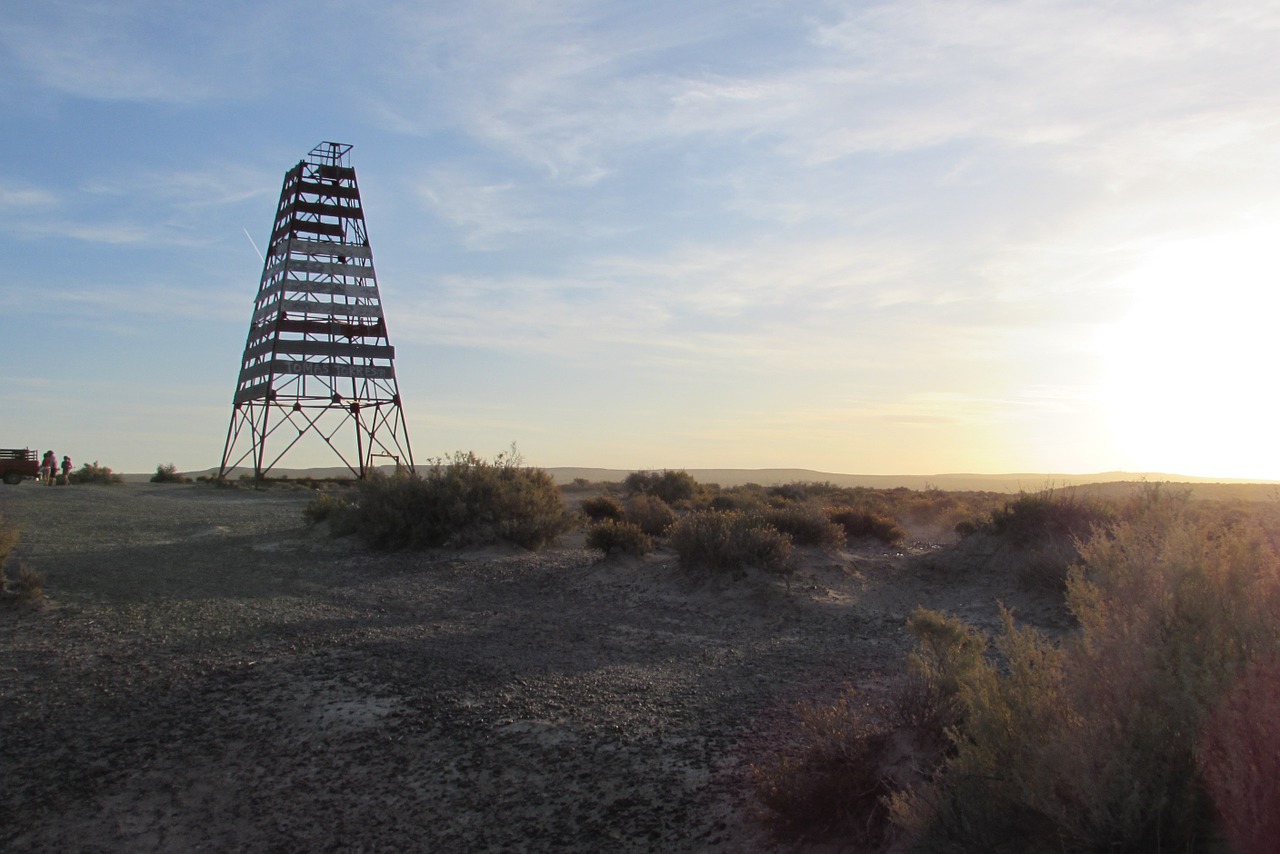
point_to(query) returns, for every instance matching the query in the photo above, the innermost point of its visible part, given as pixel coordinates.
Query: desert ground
(209, 673)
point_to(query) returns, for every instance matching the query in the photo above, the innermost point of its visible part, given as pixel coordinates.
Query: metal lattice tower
(318, 359)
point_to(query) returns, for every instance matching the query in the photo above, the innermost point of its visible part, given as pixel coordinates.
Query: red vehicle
(17, 463)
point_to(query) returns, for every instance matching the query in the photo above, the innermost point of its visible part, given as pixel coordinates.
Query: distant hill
(1008, 483)
(1012, 483)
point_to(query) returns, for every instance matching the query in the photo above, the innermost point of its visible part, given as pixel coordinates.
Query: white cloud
(24, 200)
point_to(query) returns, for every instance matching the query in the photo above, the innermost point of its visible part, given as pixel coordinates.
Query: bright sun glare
(1192, 386)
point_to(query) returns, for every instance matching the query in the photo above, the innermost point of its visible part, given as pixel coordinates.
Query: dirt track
(211, 674)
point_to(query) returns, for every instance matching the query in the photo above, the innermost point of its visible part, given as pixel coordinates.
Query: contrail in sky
(255, 246)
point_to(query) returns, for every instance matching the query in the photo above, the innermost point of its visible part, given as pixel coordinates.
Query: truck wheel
(12, 477)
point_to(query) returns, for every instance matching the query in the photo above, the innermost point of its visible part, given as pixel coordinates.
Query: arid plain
(208, 672)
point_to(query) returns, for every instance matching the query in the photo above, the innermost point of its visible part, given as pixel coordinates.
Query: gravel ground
(210, 674)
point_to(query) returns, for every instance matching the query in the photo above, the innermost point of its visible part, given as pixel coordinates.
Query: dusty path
(211, 674)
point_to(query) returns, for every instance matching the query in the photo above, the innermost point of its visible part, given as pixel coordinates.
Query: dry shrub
(22, 584)
(94, 473)
(626, 537)
(1128, 736)
(653, 515)
(337, 510)
(18, 583)
(1239, 760)
(672, 487)
(850, 765)
(1045, 569)
(8, 539)
(1048, 517)
(736, 499)
(168, 473)
(461, 501)
(601, 507)
(858, 524)
(718, 543)
(806, 526)
(838, 773)
(1091, 744)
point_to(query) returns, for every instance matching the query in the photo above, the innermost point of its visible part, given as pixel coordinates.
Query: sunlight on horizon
(1188, 388)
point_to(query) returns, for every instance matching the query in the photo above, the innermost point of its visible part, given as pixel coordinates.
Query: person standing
(48, 465)
(66, 470)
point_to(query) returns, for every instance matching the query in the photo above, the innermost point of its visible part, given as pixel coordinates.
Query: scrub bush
(1095, 743)
(626, 537)
(461, 501)
(653, 515)
(671, 486)
(857, 524)
(94, 473)
(601, 507)
(1239, 760)
(806, 526)
(337, 510)
(168, 473)
(737, 499)
(837, 775)
(718, 543)
(1153, 727)
(8, 539)
(1044, 518)
(18, 584)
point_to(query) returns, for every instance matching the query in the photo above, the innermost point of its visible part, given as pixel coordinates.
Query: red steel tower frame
(318, 359)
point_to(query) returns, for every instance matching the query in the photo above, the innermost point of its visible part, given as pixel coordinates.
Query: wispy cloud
(25, 200)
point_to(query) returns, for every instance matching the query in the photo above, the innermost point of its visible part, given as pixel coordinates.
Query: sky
(903, 237)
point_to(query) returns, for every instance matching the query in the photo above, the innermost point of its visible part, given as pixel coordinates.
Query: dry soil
(208, 673)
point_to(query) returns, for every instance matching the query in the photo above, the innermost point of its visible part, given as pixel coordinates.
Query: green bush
(94, 473)
(671, 486)
(601, 507)
(857, 524)
(168, 473)
(653, 515)
(627, 537)
(719, 543)
(461, 501)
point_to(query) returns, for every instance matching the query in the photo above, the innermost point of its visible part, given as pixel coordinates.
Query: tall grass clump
(717, 543)
(463, 500)
(94, 473)
(168, 473)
